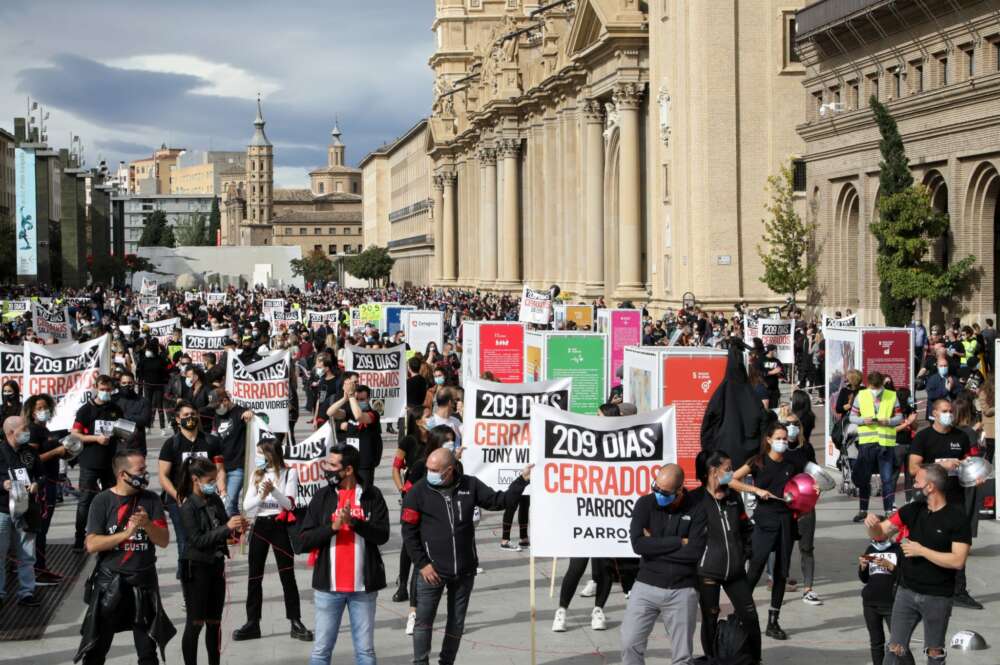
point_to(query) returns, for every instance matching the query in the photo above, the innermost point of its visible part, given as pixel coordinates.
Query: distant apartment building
(202, 172)
(152, 176)
(135, 209)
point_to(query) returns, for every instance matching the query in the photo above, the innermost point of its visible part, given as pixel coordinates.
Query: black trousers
(571, 580)
(204, 587)
(741, 595)
(92, 481)
(771, 533)
(875, 618)
(267, 534)
(155, 396)
(404, 574)
(521, 507)
(145, 648)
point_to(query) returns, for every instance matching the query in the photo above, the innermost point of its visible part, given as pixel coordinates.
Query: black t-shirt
(178, 448)
(42, 441)
(937, 531)
(109, 514)
(416, 390)
(366, 438)
(232, 434)
(773, 476)
(413, 451)
(22, 464)
(97, 420)
(801, 455)
(768, 365)
(880, 582)
(327, 392)
(932, 446)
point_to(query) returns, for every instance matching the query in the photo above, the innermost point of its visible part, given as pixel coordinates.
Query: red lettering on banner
(502, 434)
(598, 480)
(57, 385)
(266, 390)
(379, 379)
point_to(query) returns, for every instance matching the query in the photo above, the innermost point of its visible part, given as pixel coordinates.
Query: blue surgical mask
(261, 463)
(726, 478)
(363, 405)
(439, 380)
(209, 489)
(663, 499)
(942, 371)
(104, 395)
(882, 545)
(793, 432)
(434, 478)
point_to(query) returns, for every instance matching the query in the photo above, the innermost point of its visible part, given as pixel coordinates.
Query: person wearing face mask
(229, 426)
(358, 425)
(248, 350)
(444, 410)
(346, 524)
(668, 532)
(125, 526)
(208, 529)
(196, 391)
(18, 464)
(878, 570)
(942, 384)
(773, 528)
(93, 425)
(326, 386)
(135, 408)
(722, 566)
(37, 412)
(437, 526)
(189, 441)
(935, 541)
(11, 400)
(152, 374)
(876, 413)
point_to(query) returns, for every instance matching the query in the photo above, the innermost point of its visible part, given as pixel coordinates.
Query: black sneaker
(45, 578)
(29, 601)
(401, 596)
(860, 517)
(965, 600)
(248, 631)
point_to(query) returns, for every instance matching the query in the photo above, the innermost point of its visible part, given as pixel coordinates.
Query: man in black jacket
(668, 534)
(440, 537)
(135, 408)
(346, 523)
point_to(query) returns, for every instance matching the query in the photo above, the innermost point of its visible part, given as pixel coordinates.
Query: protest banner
(495, 347)
(12, 365)
(316, 319)
(305, 457)
(421, 327)
(53, 323)
(146, 303)
(845, 322)
(384, 372)
(536, 306)
(624, 328)
(392, 317)
(780, 332)
(215, 299)
(148, 287)
(370, 312)
(496, 429)
(161, 329)
(191, 296)
(13, 309)
(67, 372)
(262, 387)
(580, 356)
(589, 472)
(196, 343)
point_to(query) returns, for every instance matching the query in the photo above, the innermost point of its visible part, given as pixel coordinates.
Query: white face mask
(945, 418)
(779, 445)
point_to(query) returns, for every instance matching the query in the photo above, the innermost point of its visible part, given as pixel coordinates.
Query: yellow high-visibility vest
(884, 435)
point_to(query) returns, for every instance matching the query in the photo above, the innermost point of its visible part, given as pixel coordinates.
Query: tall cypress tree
(214, 224)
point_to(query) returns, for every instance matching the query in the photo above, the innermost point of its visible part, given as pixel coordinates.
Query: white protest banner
(316, 319)
(161, 329)
(68, 372)
(190, 296)
(421, 327)
(779, 332)
(148, 286)
(384, 372)
(305, 457)
(215, 299)
(270, 305)
(589, 472)
(52, 323)
(12, 365)
(282, 319)
(496, 432)
(261, 387)
(536, 306)
(146, 303)
(196, 343)
(845, 322)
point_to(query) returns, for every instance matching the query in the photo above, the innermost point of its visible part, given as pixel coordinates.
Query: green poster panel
(582, 359)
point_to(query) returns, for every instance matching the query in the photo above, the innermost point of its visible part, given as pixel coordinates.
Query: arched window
(321, 185)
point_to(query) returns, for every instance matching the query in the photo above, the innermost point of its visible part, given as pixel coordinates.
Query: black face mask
(333, 478)
(139, 482)
(127, 391)
(190, 423)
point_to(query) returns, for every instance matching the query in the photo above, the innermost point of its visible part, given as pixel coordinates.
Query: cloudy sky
(128, 77)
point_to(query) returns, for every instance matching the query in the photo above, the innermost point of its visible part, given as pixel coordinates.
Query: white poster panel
(536, 306)
(843, 353)
(496, 432)
(196, 343)
(384, 372)
(780, 332)
(215, 299)
(161, 329)
(589, 472)
(148, 287)
(641, 378)
(53, 324)
(421, 327)
(262, 387)
(316, 319)
(12, 365)
(68, 372)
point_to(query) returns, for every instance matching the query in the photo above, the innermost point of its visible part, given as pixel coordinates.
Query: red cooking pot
(800, 493)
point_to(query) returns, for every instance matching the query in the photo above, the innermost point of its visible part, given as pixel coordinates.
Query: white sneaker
(510, 547)
(163, 432)
(590, 590)
(810, 598)
(597, 620)
(411, 623)
(559, 621)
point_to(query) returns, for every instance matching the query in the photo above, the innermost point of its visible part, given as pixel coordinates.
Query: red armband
(407, 486)
(398, 463)
(411, 516)
(744, 517)
(160, 523)
(218, 459)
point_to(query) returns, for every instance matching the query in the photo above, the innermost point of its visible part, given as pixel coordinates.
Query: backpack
(731, 643)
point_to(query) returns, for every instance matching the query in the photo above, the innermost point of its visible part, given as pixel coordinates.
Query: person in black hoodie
(439, 533)
(723, 564)
(878, 569)
(668, 533)
(152, 374)
(203, 563)
(345, 525)
(734, 418)
(135, 408)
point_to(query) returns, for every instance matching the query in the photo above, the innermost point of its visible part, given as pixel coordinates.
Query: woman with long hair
(203, 563)
(773, 528)
(11, 399)
(37, 412)
(411, 448)
(800, 453)
(269, 501)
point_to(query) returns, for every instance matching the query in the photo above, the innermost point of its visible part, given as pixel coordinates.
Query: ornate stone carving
(611, 121)
(592, 111)
(508, 148)
(663, 99)
(628, 95)
(487, 155)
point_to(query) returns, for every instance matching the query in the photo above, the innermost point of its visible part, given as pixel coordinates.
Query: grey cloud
(123, 147)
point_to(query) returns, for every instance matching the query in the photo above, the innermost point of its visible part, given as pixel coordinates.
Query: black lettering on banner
(204, 342)
(505, 406)
(11, 362)
(41, 364)
(632, 444)
(275, 372)
(376, 361)
(775, 329)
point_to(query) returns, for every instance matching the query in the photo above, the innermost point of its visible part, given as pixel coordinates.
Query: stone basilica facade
(618, 148)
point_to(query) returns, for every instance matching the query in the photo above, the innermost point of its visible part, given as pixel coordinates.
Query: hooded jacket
(734, 419)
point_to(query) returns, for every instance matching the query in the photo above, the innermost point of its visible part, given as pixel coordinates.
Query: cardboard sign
(316, 319)
(384, 372)
(196, 343)
(53, 323)
(67, 372)
(780, 332)
(536, 306)
(215, 299)
(589, 472)
(262, 387)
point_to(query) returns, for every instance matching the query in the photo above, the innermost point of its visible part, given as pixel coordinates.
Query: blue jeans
(330, 610)
(234, 485)
(179, 535)
(873, 458)
(25, 557)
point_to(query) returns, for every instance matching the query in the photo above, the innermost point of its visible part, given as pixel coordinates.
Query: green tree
(314, 267)
(118, 270)
(214, 223)
(374, 264)
(787, 269)
(192, 232)
(156, 232)
(905, 230)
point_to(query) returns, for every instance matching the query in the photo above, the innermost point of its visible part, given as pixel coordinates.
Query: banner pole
(531, 602)
(552, 579)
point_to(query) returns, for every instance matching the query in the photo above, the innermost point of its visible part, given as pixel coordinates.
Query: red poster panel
(888, 352)
(688, 383)
(501, 351)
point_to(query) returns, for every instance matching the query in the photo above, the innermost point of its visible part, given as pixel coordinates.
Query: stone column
(550, 195)
(510, 270)
(448, 241)
(628, 97)
(438, 228)
(594, 211)
(488, 229)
